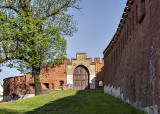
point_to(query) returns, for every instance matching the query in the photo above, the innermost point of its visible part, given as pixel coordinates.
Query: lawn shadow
(83, 102)
(68, 105)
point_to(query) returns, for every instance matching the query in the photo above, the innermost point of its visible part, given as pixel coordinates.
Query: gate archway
(81, 78)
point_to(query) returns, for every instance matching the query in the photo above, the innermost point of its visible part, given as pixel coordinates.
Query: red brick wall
(17, 85)
(99, 75)
(53, 76)
(132, 59)
(24, 84)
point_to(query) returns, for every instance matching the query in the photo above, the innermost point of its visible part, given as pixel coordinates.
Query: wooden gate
(80, 78)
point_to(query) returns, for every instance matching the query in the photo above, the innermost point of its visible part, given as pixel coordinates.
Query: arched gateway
(81, 78)
(81, 72)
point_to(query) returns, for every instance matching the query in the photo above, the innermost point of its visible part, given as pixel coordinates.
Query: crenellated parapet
(18, 84)
(97, 60)
(120, 27)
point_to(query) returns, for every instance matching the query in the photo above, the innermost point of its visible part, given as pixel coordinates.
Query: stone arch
(81, 60)
(88, 69)
(81, 77)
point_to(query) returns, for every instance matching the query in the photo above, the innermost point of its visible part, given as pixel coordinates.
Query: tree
(32, 33)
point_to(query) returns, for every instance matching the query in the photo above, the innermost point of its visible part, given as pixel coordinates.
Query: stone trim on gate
(81, 59)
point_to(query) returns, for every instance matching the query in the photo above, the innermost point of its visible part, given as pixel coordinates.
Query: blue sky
(97, 23)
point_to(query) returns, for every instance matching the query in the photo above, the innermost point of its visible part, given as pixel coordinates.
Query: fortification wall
(21, 87)
(132, 59)
(51, 79)
(99, 73)
(17, 88)
(54, 77)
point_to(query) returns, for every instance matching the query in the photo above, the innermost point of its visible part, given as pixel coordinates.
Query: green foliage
(32, 31)
(70, 102)
(38, 79)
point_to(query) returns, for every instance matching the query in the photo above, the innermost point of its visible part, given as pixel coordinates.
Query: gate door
(80, 78)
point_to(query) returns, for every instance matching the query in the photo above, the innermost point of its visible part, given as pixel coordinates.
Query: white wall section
(70, 81)
(116, 93)
(1, 90)
(92, 81)
(15, 97)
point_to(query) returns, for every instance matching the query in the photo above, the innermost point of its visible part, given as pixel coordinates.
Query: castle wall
(21, 87)
(18, 87)
(52, 78)
(132, 59)
(99, 73)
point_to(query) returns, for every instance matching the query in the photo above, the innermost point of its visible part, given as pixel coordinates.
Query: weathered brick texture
(25, 84)
(54, 76)
(99, 75)
(132, 59)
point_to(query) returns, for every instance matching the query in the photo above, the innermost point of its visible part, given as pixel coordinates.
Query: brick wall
(18, 85)
(51, 78)
(132, 59)
(99, 75)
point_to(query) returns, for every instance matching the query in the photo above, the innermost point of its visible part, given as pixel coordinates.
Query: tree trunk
(36, 73)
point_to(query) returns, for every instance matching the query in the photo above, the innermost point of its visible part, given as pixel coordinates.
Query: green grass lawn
(69, 102)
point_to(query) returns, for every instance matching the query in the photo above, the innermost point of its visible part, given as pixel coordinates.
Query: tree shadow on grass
(85, 102)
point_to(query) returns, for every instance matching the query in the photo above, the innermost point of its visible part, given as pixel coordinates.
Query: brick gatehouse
(80, 73)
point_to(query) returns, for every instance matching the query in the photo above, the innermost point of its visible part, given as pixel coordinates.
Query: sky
(97, 23)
